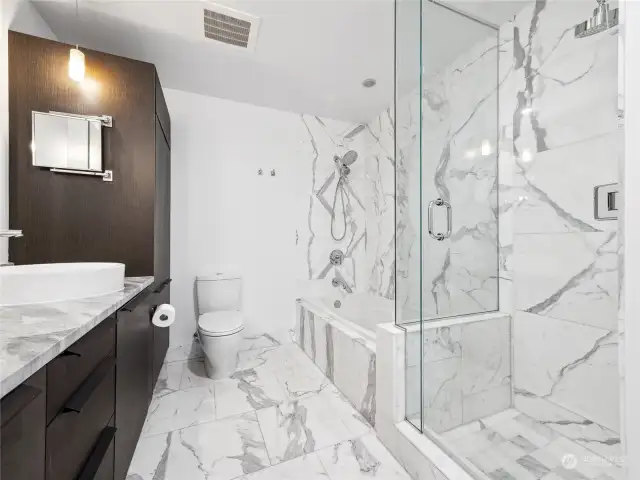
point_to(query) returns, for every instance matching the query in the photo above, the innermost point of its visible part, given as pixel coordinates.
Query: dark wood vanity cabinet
(134, 378)
(22, 430)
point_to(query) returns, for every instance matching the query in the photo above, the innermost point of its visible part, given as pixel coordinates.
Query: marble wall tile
(559, 141)
(570, 277)
(442, 394)
(556, 187)
(486, 355)
(355, 373)
(477, 406)
(346, 359)
(572, 365)
(467, 371)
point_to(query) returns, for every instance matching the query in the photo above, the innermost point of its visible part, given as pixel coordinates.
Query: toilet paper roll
(164, 315)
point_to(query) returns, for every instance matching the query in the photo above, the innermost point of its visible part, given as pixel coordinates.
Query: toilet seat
(220, 324)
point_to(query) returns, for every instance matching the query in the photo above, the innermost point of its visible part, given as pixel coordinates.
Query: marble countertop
(33, 335)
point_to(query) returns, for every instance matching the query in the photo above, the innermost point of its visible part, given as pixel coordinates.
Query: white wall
(223, 212)
(21, 16)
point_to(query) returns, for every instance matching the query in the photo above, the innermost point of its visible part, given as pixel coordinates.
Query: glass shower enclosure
(447, 189)
(506, 284)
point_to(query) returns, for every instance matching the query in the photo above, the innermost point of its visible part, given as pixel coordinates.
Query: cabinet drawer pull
(131, 306)
(162, 286)
(69, 353)
(82, 395)
(97, 455)
(17, 401)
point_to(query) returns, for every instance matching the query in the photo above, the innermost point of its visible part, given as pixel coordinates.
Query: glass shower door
(459, 165)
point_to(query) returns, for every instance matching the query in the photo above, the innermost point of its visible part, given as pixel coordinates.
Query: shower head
(349, 157)
(602, 19)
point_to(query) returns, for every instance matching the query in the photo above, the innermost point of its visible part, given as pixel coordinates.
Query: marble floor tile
(277, 418)
(222, 450)
(298, 427)
(258, 341)
(307, 467)
(194, 375)
(180, 353)
(179, 409)
(512, 445)
(169, 378)
(247, 390)
(361, 458)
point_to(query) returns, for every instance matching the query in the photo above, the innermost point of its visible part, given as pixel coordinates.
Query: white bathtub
(360, 312)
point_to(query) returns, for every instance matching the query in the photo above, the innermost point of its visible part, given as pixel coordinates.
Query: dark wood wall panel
(69, 218)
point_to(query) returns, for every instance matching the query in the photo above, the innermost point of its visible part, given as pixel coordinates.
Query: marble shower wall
(369, 206)
(466, 371)
(457, 156)
(559, 266)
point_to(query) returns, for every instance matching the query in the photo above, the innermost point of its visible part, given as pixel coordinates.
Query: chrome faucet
(338, 282)
(10, 233)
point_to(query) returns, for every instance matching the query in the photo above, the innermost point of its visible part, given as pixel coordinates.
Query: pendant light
(76, 59)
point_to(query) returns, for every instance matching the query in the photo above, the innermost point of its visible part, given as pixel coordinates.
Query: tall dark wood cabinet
(162, 220)
(78, 218)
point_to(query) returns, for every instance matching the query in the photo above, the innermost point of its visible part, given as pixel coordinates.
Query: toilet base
(220, 354)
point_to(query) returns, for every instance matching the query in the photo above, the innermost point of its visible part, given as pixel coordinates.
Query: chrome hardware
(449, 217)
(10, 233)
(337, 304)
(338, 282)
(336, 257)
(605, 202)
(438, 203)
(260, 171)
(105, 120)
(273, 173)
(107, 175)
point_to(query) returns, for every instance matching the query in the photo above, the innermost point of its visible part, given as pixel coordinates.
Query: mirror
(66, 142)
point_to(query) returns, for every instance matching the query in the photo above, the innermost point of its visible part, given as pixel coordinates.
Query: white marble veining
(466, 371)
(223, 450)
(513, 445)
(579, 368)
(311, 431)
(346, 358)
(558, 265)
(33, 335)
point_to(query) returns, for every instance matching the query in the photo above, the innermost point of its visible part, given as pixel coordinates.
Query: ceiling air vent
(230, 26)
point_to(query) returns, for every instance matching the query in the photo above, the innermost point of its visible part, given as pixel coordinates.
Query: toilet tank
(218, 291)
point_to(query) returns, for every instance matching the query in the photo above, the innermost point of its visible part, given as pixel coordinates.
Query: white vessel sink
(56, 282)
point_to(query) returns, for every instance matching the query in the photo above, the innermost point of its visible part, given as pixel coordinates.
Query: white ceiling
(311, 55)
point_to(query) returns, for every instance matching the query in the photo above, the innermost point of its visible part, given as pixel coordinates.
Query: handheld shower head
(343, 163)
(349, 158)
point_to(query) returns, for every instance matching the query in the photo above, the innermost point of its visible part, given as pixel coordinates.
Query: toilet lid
(221, 323)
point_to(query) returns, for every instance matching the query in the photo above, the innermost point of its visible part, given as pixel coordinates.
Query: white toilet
(220, 322)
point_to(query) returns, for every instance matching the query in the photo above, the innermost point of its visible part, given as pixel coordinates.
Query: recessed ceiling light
(369, 82)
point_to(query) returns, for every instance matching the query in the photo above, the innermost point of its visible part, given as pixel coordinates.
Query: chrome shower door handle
(436, 236)
(449, 216)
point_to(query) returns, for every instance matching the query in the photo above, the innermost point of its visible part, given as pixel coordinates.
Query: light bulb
(76, 65)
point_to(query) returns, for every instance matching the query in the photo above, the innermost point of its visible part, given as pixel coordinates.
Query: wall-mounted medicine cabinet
(68, 142)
